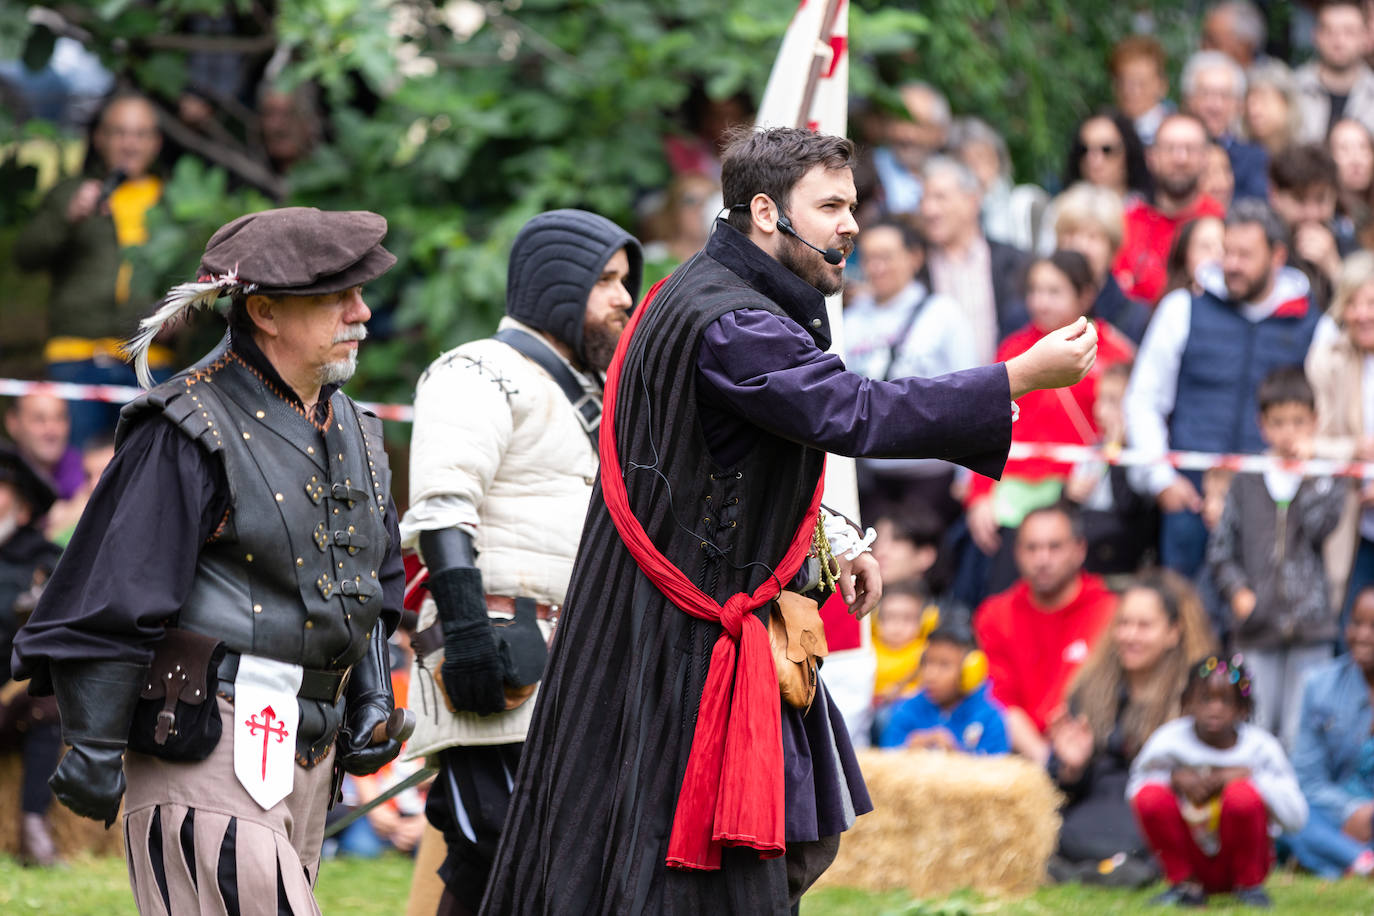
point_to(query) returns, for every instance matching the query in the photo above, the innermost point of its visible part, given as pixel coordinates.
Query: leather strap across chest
(543, 356)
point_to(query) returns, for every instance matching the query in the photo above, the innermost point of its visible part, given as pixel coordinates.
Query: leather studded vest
(292, 572)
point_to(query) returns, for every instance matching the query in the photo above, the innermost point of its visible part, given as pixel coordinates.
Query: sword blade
(414, 779)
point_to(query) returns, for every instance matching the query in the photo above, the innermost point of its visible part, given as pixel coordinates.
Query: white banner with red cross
(265, 719)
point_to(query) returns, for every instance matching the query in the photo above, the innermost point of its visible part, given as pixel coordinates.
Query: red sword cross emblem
(268, 731)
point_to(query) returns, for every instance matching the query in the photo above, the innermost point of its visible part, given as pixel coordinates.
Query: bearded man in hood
(503, 459)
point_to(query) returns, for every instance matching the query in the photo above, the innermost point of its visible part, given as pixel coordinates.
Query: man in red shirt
(1038, 632)
(1176, 161)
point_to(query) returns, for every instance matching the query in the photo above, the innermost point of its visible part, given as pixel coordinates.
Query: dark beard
(809, 265)
(1251, 292)
(598, 345)
(1178, 189)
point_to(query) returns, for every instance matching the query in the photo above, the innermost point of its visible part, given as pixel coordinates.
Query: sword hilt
(398, 727)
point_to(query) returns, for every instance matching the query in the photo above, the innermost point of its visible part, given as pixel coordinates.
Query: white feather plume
(177, 305)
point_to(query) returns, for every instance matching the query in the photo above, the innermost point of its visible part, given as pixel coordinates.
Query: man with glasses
(1176, 161)
(1214, 93)
(985, 277)
(78, 237)
(216, 633)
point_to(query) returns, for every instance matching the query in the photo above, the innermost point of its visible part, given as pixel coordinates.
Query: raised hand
(1059, 359)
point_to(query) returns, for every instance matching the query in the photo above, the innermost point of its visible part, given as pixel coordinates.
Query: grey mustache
(352, 332)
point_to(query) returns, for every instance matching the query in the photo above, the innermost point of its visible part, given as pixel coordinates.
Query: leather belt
(326, 686)
(431, 638)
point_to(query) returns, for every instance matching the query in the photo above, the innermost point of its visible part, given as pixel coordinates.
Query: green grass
(99, 887)
(1295, 894)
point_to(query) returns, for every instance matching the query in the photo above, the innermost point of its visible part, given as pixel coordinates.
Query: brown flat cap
(300, 251)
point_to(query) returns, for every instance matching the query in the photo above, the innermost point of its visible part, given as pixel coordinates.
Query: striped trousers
(197, 843)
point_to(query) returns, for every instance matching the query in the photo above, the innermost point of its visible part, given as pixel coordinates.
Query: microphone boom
(832, 256)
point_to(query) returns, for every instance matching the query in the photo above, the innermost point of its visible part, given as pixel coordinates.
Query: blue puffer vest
(1226, 358)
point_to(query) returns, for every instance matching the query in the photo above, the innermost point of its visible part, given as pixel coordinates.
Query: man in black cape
(712, 450)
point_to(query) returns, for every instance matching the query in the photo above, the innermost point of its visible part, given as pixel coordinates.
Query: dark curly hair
(771, 162)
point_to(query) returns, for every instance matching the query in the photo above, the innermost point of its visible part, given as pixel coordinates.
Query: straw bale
(942, 822)
(74, 836)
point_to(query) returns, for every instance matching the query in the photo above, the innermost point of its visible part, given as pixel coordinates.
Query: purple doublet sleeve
(758, 369)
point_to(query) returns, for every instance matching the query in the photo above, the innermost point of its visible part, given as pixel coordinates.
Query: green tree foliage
(459, 120)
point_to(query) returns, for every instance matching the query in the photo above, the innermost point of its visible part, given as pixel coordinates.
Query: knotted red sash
(732, 792)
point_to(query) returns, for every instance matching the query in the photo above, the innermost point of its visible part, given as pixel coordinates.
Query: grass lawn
(1296, 894)
(99, 887)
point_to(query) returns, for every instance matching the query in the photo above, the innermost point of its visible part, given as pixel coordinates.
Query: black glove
(368, 702)
(96, 700)
(473, 673)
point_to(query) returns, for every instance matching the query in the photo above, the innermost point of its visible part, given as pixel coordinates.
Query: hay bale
(75, 836)
(944, 822)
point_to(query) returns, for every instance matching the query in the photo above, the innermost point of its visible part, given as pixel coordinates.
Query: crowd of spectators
(1159, 639)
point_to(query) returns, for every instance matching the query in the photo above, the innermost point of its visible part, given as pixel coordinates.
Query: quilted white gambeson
(499, 452)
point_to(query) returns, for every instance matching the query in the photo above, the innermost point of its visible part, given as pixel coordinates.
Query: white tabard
(265, 718)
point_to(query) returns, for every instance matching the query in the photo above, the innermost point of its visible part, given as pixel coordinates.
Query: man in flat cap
(216, 633)
(498, 493)
(27, 559)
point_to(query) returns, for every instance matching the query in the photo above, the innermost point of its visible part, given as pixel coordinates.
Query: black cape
(598, 782)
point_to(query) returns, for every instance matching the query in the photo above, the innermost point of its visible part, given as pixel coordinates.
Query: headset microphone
(831, 255)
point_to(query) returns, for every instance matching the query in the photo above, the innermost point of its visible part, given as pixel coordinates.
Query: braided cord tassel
(820, 549)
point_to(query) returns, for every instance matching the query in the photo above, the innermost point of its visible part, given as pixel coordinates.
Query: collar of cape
(801, 301)
(732, 792)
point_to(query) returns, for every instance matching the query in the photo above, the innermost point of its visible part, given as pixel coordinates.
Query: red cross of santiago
(268, 731)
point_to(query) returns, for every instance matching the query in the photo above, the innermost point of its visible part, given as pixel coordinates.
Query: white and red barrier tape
(1068, 454)
(122, 394)
(1189, 461)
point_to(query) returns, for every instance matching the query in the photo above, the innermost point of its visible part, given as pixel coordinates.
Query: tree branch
(236, 161)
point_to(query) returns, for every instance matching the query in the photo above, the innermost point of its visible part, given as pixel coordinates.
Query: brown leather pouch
(173, 719)
(797, 636)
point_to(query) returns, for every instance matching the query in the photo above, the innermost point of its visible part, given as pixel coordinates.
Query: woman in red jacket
(1059, 288)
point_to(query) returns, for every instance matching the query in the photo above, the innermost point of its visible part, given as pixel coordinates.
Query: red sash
(732, 792)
